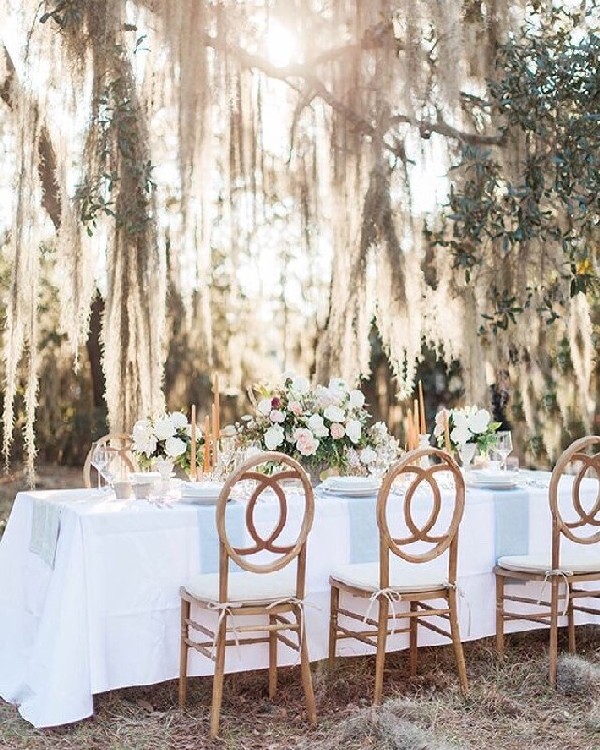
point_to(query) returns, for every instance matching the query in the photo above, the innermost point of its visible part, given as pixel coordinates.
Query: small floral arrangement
(466, 425)
(164, 438)
(320, 426)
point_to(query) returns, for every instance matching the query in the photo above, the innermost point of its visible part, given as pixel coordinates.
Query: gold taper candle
(206, 463)
(193, 465)
(423, 423)
(216, 418)
(410, 432)
(446, 431)
(416, 422)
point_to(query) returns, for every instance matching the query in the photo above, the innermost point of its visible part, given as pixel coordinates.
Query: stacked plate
(201, 493)
(493, 479)
(352, 486)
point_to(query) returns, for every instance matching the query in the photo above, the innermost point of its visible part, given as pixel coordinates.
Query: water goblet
(503, 446)
(99, 460)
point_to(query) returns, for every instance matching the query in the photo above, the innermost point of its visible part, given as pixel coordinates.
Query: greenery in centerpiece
(166, 437)
(322, 427)
(469, 425)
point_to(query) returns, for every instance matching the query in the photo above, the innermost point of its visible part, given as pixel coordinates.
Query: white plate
(343, 484)
(201, 490)
(352, 492)
(508, 485)
(483, 476)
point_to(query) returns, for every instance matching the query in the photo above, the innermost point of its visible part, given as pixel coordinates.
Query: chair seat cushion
(245, 586)
(575, 561)
(404, 577)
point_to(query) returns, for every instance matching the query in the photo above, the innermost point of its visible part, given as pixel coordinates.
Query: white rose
(368, 455)
(324, 396)
(459, 418)
(264, 406)
(142, 430)
(337, 385)
(174, 447)
(164, 428)
(353, 430)
(274, 437)
(334, 414)
(179, 420)
(479, 421)
(145, 445)
(460, 435)
(300, 385)
(317, 426)
(356, 400)
(277, 415)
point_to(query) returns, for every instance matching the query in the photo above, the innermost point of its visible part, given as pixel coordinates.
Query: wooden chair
(119, 444)
(399, 576)
(267, 587)
(568, 567)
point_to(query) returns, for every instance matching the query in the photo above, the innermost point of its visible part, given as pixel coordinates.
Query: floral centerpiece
(164, 441)
(322, 427)
(466, 426)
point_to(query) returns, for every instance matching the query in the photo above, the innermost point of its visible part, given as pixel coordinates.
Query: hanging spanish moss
(250, 185)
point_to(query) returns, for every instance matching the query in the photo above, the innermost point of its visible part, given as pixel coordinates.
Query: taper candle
(193, 465)
(216, 419)
(423, 423)
(446, 431)
(206, 444)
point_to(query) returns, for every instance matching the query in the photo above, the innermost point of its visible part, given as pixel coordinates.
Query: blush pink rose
(295, 407)
(306, 442)
(337, 431)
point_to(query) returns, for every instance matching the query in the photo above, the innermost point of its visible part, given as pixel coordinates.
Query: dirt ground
(509, 706)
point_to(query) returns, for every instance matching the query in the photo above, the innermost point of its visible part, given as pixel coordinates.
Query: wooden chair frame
(120, 443)
(549, 613)
(374, 632)
(282, 614)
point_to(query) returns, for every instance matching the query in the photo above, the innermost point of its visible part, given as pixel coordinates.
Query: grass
(509, 707)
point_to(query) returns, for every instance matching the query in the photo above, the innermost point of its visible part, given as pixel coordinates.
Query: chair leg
(217, 695)
(571, 615)
(413, 622)
(500, 616)
(307, 685)
(382, 626)
(456, 642)
(183, 653)
(272, 658)
(553, 648)
(333, 620)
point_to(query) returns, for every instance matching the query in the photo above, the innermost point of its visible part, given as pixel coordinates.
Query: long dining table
(89, 585)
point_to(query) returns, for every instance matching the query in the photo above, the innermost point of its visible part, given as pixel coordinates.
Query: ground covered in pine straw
(509, 706)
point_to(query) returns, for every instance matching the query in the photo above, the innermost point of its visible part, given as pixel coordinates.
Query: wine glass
(503, 446)
(99, 460)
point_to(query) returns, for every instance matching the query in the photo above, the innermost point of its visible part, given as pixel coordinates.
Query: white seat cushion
(245, 586)
(404, 577)
(572, 561)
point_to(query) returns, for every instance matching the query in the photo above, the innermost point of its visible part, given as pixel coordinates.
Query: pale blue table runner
(209, 536)
(364, 532)
(511, 527)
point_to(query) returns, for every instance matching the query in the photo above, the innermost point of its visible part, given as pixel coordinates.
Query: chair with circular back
(580, 562)
(119, 444)
(401, 575)
(266, 587)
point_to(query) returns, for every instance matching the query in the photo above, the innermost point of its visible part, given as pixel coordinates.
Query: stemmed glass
(503, 447)
(99, 461)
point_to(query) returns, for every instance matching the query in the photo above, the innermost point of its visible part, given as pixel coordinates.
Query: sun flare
(282, 45)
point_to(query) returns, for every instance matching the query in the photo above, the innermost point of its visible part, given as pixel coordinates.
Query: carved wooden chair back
(285, 472)
(119, 447)
(423, 541)
(578, 520)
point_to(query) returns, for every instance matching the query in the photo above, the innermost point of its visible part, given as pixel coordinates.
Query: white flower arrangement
(321, 426)
(166, 437)
(467, 425)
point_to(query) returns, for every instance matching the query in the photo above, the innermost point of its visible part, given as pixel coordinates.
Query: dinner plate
(494, 485)
(207, 491)
(191, 500)
(352, 492)
(352, 484)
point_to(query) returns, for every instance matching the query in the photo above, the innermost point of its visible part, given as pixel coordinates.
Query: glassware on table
(503, 446)
(99, 460)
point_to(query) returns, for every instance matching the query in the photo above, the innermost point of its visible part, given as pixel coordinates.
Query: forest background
(385, 190)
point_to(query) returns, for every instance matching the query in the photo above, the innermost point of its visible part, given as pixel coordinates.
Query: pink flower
(306, 442)
(337, 431)
(295, 407)
(277, 416)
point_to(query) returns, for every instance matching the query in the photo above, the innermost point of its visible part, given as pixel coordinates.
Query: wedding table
(89, 592)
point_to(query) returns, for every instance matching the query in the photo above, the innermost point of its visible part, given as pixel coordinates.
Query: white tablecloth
(90, 603)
